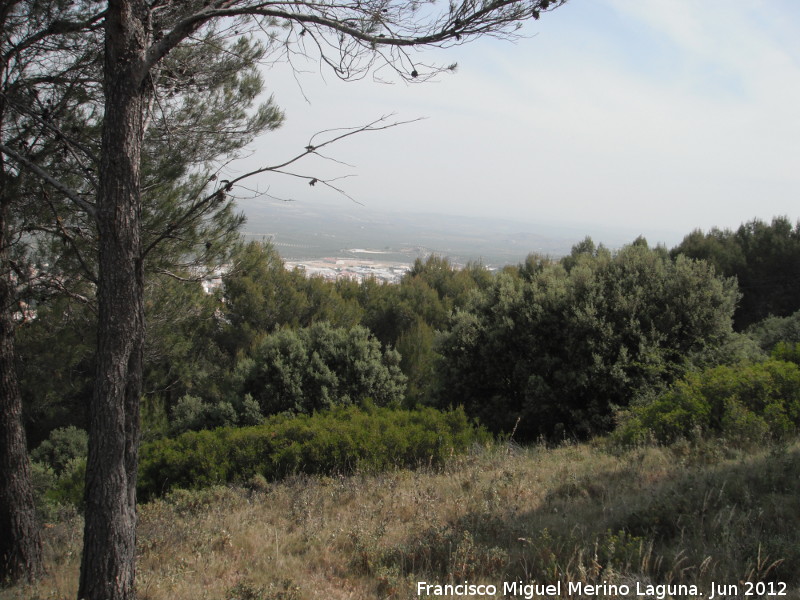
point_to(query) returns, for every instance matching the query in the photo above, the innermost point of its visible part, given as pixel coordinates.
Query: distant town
(330, 269)
(356, 269)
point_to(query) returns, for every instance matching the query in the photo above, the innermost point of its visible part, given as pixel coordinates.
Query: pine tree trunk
(20, 537)
(108, 567)
(20, 541)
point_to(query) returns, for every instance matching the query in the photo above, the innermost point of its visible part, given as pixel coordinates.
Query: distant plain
(304, 231)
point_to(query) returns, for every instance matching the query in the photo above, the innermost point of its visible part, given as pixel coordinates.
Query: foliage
(453, 285)
(59, 469)
(69, 486)
(54, 493)
(734, 349)
(342, 440)
(182, 353)
(262, 296)
(320, 367)
(744, 403)
(137, 41)
(772, 330)
(56, 364)
(391, 310)
(561, 346)
(765, 259)
(409, 315)
(419, 363)
(259, 295)
(186, 231)
(787, 352)
(193, 413)
(63, 446)
(429, 293)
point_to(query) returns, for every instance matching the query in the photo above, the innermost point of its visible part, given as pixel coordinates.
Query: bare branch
(199, 205)
(313, 147)
(356, 31)
(178, 277)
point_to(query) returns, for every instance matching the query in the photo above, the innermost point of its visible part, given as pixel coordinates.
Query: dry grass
(679, 515)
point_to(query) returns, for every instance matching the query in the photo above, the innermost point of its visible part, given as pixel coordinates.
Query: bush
(70, 485)
(189, 413)
(64, 445)
(43, 479)
(52, 490)
(342, 440)
(773, 330)
(742, 403)
(319, 367)
(58, 467)
(192, 413)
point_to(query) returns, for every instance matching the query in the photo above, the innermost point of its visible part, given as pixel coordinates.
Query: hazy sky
(656, 116)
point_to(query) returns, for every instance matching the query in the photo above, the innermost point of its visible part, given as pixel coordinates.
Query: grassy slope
(679, 515)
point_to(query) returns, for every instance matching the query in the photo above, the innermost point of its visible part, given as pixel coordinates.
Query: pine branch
(83, 204)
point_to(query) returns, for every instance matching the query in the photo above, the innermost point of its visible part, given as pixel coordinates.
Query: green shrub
(191, 413)
(774, 330)
(746, 403)
(342, 440)
(561, 346)
(681, 412)
(53, 491)
(43, 479)
(740, 423)
(64, 445)
(58, 467)
(787, 351)
(70, 484)
(319, 367)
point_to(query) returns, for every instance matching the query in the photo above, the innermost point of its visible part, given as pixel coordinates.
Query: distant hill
(304, 230)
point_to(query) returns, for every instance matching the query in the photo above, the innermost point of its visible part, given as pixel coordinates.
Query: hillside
(653, 516)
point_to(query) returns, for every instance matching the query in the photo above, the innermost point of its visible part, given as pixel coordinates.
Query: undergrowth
(688, 513)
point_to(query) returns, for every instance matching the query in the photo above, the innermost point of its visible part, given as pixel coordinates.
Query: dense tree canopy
(318, 367)
(561, 347)
(764, 258)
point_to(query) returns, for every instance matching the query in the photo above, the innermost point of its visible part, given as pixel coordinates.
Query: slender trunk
(20, 540)
(108, 567)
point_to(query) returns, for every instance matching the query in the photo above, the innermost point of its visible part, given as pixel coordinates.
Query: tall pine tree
(137, 36)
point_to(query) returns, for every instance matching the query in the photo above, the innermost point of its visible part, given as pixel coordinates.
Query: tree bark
(20, 536)
(20, 539)
(109, 552)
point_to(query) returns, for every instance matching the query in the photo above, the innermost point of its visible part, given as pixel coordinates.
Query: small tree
(319, 367)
